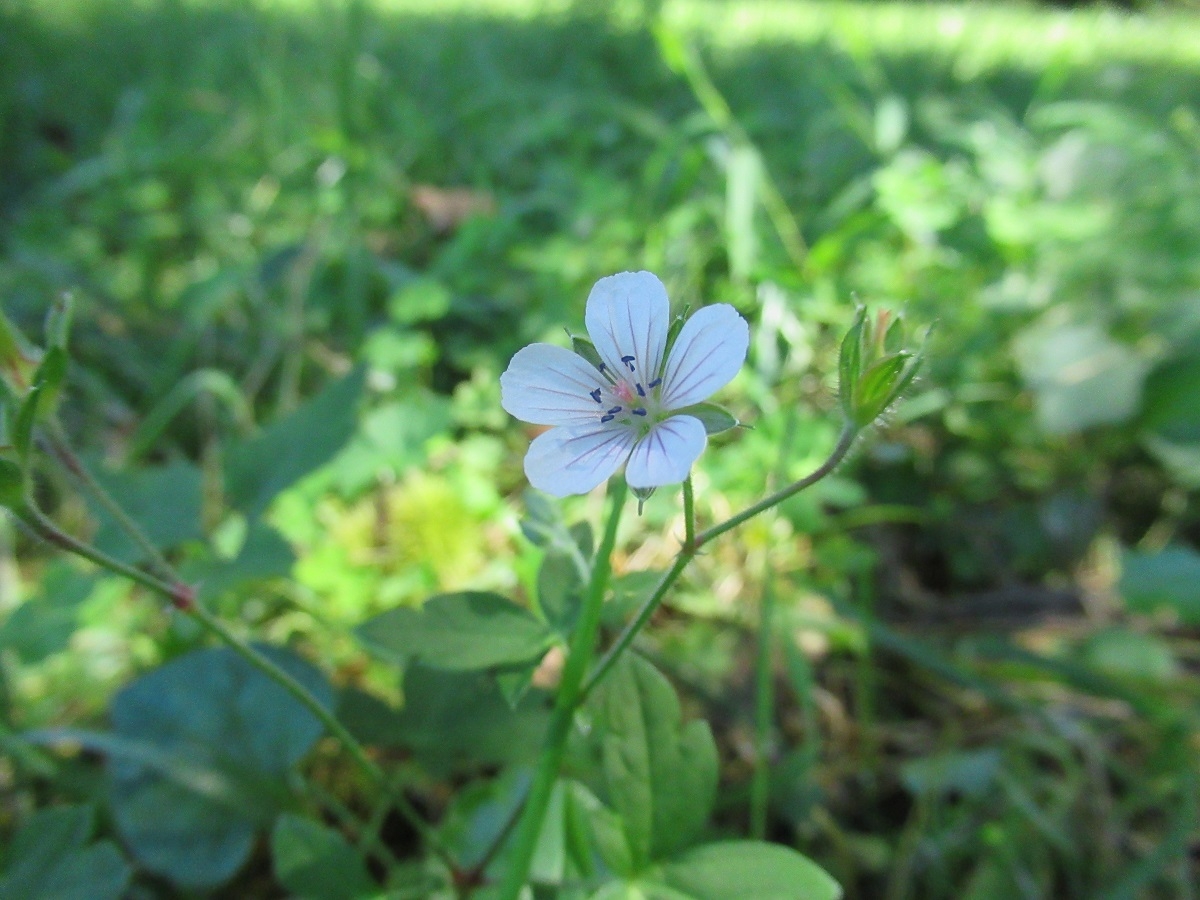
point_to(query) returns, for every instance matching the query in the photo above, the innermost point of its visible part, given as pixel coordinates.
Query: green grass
(1003, 658)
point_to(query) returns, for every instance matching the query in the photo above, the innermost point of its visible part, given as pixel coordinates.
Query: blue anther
(639, 411)
(607, 418)
(628, 360)
(595, 395)
(641, 390)
(655, 383)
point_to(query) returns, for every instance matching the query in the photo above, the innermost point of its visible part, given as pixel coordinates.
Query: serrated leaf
(660, 775)
(460, 632)
(748, 870)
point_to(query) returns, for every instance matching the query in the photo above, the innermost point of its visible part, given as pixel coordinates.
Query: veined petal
(709, 351)
(566, 461)
(549, 385)
(628, 315)
(666, 454)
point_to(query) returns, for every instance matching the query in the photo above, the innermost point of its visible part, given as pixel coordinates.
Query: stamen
(641, 390)
(638, 411)
(655, 383)
(614, 410)
(608, 418)
(595, 395)
(628, 360)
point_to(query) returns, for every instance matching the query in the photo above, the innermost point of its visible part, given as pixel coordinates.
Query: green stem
(849, 433)
(182, 597)
(689, 513)
(689, 550)
(570, 695)
(51, 534)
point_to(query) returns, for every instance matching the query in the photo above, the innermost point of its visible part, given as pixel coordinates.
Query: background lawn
(304, 239)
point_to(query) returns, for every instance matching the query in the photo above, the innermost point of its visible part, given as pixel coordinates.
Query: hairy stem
(690, 549)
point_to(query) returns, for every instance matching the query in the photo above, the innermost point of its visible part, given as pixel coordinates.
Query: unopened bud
(874, 367)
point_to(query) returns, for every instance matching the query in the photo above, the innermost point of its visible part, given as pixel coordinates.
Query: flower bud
(874, 367)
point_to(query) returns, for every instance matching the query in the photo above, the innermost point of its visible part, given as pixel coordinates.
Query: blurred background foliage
(305, 238)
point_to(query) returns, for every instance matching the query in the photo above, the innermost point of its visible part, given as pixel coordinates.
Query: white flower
(632, 407)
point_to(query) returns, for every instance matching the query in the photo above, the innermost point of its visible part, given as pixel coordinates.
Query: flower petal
(628, 315)
(566, 461)
(710, 349)
(666, 454)
(549, 385)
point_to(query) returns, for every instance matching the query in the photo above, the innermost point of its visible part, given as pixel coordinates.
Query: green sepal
(878, 387)
(672, 335)
(715, 419)
(585, 348)
(39, 401)
(642, 495)
(22, 426)
(850, 363)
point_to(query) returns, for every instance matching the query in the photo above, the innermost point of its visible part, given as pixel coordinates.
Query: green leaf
(714, 418)
(1080, 377)
(50, 375)
(562, 576)
(316, 863)
(256, 470)
(49, 860)
(748, 870)
(660, 775)
(212, 711)
(450, 721)
(264, 554)
(43, 624)
(165, 501)
(1169, 407)
(12, 484)
(743, 175)
(459, 632)
(1170, 579)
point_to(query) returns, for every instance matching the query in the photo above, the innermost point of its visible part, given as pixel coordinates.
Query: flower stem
(182, 597)
(689, 550)
(845, 441)
(40, 525)
(689, 513)
(570, 695)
